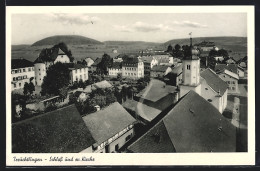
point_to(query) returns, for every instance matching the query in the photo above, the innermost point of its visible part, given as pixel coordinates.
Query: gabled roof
(59, 131)
(73, 66)
(177, 69)
(97, 61)
(108, 122)
(230, 67)
(231, 74)
(155, 140)
(195, 125)
(21, 63)
(160, 68)
(214, 81)
(102, 84)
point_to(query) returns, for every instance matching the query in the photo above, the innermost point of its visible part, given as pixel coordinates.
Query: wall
(191, 76)
(232, 82)
(22, 76)
(77, 74)
(185, 89)
(40, 73)
(114, 71)
(62, 59)
(133, 72)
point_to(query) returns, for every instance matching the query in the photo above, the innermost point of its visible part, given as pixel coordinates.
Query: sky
(150, 27)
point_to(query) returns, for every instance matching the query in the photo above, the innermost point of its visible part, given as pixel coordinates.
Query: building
(160, 71)
(132, 68)
(229, 61)
(153, 101)
(115, 69)
(110, 127)
(22, 72)
(59, 131)
(177, 72)
(47, 58)
(231, 79)
(206, 46)
(93, 67)
(78, 72)
(190, 72)
(193, 125)
(231, 67)
(214, 89)
(149, 63)
(89, 61)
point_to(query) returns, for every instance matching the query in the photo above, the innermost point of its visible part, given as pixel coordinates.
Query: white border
(140, 158)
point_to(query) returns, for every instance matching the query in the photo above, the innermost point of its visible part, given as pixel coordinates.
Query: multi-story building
(231, 79)
(22, 72)
(149, 62)
(47, 58)
(115, 69)
(133, 68)
(78, 72)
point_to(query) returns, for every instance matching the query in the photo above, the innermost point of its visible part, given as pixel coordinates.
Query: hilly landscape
(82, 47)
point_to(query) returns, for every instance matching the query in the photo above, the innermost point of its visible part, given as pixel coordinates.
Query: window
(128, 137)
(206, 88)
(29, 69)
(85, 76)
(228, 82)
(39, 69)
(80, 76)
(116, 147)
(188, 67)
(24, 70)
(209, 100)
(80, 70)
(20, 84)
(14, 85)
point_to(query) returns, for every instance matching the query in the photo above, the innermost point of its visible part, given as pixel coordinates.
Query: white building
(132, 68)
(62, 57)
(22, 72)
(115, 69)
(78, 72)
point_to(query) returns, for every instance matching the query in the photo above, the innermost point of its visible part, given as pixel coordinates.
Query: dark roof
(156, 140)
(73, 66)
(195, 125)
(108, 122)
(222, 67)
(97, 61)
(116, 65)
(48, 55)
(159, 68)
(59, 131)
(21, 63)
(130, 61)
(177, 69)
(214, 81)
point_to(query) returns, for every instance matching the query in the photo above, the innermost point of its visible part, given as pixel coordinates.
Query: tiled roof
(102, 84)
(108, 122)
(214, 81)
(230, 67)
(195, 125)
(177, 69)
(21, 63)
(159, 68)
(73, 66)
(116, 65)
(156, 140)
(59, 131)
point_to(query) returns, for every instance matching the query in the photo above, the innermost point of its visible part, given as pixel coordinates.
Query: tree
(223, 52)
(57, 77)
(31, 88)
(119, 77)
(106, 62)
(26, 89)
(177, 47)
(169, 49)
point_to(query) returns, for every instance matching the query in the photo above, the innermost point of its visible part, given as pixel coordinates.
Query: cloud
(188, 24)
(143, 27)
(77, 19)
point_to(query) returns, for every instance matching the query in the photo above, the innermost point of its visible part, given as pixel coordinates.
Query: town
(186, 98)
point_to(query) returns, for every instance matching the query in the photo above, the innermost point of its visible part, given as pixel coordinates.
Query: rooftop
(214, 81)
(195, 125)
(59, 131)
(230, 67)
(107, 122)
(116, 65)
(102, 84)
(156, 140)
(159, 68)
(21, 63)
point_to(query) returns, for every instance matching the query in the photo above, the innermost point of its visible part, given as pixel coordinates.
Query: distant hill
(229, 43)
(67, 39)
(130, 43)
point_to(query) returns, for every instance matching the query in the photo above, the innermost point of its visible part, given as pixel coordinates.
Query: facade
(78, 72)
(111, 128)
(62, 57)
(160, 71)
(231, 79)
(149, 63)
(177, 70)
(190, 73)
(22, 71)
(115, 69)
(214, 89)
(132, 68)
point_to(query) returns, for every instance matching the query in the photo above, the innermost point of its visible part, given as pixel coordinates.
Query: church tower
(190, 71)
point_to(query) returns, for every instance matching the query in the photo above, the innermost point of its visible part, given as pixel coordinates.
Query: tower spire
(190, 39)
